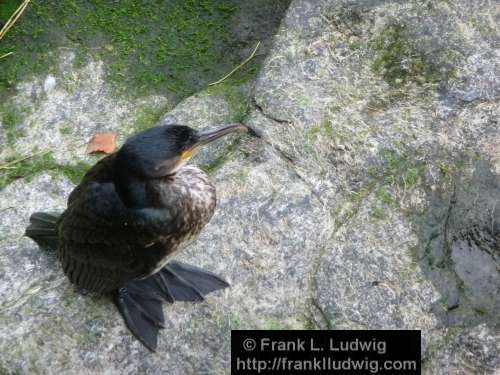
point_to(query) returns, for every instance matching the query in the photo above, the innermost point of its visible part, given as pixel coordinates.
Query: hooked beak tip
(253, 132)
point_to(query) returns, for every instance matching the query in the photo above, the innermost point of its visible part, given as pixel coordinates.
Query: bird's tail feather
(43, 229)
(182, 282)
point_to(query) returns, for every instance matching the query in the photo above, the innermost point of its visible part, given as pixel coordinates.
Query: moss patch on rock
(226, 154)
(10, 118)
(397, 59)
(162, 47)
(148, 117)
(6, 9)
(398, 168)
(15, 168)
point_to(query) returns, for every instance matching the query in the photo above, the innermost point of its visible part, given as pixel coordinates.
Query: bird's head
(162, 150)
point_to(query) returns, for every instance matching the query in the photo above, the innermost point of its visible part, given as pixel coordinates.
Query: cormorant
(126, 219)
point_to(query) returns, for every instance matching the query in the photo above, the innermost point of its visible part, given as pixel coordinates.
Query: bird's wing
(101, 172)
(99, 231)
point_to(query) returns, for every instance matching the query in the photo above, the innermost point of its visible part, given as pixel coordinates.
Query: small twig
(12, 20)
(238, 67)
(23, 158)
(5, 55)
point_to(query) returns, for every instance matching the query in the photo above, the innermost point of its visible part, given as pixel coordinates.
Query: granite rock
(370, 203)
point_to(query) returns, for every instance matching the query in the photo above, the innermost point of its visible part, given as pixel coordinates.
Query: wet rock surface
(461, 252)
(371, 202)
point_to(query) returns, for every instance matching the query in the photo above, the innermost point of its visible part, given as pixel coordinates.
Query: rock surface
(371, 203)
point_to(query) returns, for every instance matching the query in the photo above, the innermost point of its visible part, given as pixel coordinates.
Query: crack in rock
(261, 110)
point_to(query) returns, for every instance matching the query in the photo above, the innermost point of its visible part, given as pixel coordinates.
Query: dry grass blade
(23, 158)
(12, 20)
(238, 67)
(5, 55)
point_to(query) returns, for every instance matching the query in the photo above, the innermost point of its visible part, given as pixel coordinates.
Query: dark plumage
(132, 211)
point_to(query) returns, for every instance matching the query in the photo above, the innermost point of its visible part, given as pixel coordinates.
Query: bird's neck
(131, 189)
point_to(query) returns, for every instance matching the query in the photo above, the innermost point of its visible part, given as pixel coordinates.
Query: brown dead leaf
(102, 142)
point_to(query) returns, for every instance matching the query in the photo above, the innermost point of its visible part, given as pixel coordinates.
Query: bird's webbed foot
(182, 282)
(141, 308)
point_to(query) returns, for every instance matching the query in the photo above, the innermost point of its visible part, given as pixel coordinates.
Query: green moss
(28, 168)
(384, 196)
(65, 130)
(411, 177)
(309, 323)
(25, 168)
(237, 98)
(7, 8)
(11, 117)
(334, 108)
(377, 213)
(480, 312)
(359, 195)
(398, 61)
(86, 339)
(236, 92)
(175, 46)
(398, 168)
(75, 172)
(450, 170)
(235, 323)
(272, 324)
(222, 157)
(322, 130)
(148, 117)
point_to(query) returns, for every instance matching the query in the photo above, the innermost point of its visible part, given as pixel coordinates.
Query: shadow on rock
(460, 246)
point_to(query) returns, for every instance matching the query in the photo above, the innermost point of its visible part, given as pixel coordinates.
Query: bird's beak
(208, 136)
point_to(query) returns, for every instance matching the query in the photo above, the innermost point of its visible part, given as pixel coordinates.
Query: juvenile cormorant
(126, 219)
